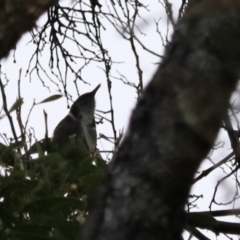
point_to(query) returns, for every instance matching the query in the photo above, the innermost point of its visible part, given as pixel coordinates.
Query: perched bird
(79, 121)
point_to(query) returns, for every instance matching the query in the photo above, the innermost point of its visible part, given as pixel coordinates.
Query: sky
(124, 97)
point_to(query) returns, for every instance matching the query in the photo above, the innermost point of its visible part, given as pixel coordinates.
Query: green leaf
(69, 229)
(85, 167)
(7, 154)
(16, 105)
(51, 98)
(100, 163)
(18, 183)
(7, 218)
(45, 145)
(5, 150)
(53, 206)
(16, 189)
(75, 149)
(33, 232)
(39, 150)
(52, 158)
(89, 183)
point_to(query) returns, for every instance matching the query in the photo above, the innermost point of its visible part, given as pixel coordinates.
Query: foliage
(46, 197)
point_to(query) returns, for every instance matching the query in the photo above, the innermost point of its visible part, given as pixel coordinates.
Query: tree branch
(17, 17)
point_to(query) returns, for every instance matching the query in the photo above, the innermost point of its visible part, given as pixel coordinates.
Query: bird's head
(84, 105)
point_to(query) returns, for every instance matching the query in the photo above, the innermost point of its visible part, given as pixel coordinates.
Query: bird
(79, 122)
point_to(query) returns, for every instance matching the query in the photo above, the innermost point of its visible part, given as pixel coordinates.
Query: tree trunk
(171, 130)
(17, 17)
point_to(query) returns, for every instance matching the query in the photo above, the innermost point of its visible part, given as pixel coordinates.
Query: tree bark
(171, 130)
(17, 17)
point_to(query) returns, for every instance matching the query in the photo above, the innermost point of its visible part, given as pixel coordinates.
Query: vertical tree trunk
(171, 130)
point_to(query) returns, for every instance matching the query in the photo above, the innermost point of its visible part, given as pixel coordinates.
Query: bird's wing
(90, 134)
(64, 129)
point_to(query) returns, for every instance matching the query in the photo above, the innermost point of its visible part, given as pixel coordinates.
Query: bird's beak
(96, 88)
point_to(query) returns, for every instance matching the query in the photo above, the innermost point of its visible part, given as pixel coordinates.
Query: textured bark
(17, 17)
(171, 130)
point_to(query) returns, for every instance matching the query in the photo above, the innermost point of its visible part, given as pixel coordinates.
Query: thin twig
(6, 109)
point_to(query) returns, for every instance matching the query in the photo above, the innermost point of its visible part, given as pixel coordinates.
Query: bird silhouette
(79, 121)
